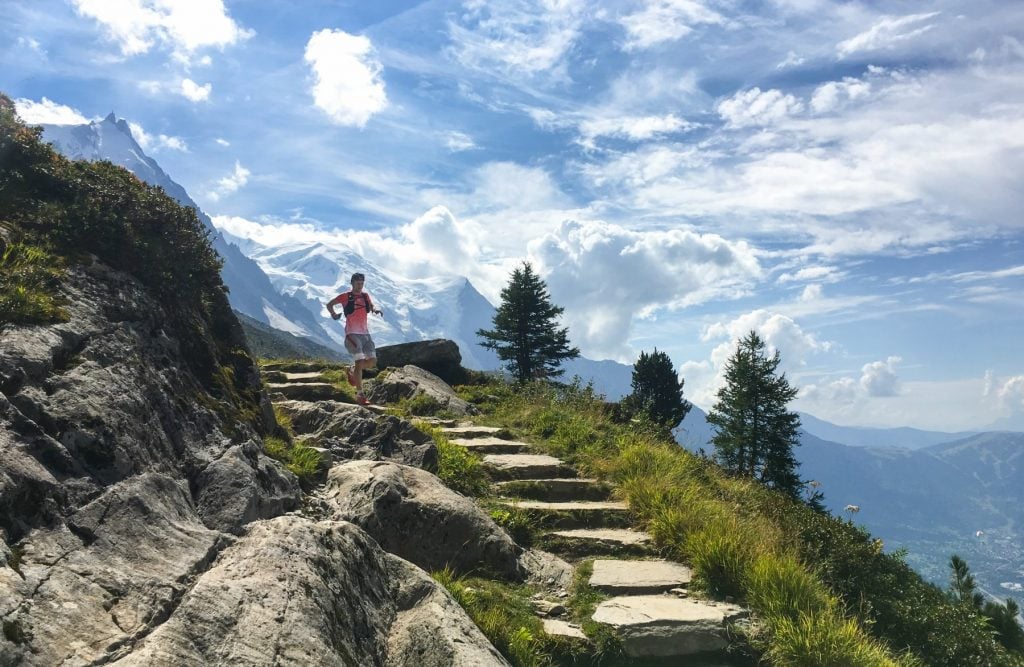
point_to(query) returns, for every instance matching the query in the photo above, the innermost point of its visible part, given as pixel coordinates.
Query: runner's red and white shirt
(356, 322)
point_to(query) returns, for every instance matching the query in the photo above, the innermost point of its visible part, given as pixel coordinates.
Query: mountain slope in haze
(250, 290)
(266, 342)
(859, 436)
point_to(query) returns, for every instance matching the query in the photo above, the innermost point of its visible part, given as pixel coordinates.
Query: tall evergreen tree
(657, 390)
(756, 434)
(526, 334)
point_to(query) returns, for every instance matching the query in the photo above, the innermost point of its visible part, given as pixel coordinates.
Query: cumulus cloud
(754, 107)
(606, 275)
(886, 33)
(230, 183)
(184, 26)
(193, 91)
(347, 82)
(48, 112)
(156, 143)
(830, 96)
(516, 37)
(779, 332)
(666, 20)
(879, 378)
(1007, 392)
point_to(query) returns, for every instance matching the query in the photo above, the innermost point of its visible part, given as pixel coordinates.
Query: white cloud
(48, 112)
(886, 33)
(811, 293)
(347, 77)
(194, 91)
(182, 25)
(516, 36)
(829, 96)
(826, 273)
(1009, 392)
(792, 60)
(666, 20)
(754, 107)
(459, 141)
(634, 128)
(149, 143)
(230, 183)
(31, 44)
(606, 275)
(779, 332)
(879, 378)
(222, 142)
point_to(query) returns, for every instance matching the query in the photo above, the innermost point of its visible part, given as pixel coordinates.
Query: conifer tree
(657, 390)
(526, 334)
(756, 434)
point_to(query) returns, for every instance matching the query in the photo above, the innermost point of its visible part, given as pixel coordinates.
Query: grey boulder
(409, 382)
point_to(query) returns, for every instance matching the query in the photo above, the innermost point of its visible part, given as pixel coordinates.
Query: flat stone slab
(639, 577)
(471, 431)
(555, 490)
(309, 391)
(666, 626)
(525, 466)
(575, 514)
(303, 377)
(490, 445)
(557, 628)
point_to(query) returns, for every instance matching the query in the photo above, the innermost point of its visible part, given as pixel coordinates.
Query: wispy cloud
(182, 26)
(886, 33)
(347, 77)
(666, 20)
(516, 37)
(754, 107)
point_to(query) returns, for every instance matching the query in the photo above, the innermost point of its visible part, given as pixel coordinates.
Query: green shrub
(518, 523)
(812, 640)
(29, 285)
(781, 587)
(422, 405)
(721, 553)
(301, 460)
(458, 468)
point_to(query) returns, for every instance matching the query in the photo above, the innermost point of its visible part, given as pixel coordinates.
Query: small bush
(459, 469)
(422, 405)
(301, 460)
(518, 523)
(781, 587)
(812, 640)
(721, 554)
(29, 285)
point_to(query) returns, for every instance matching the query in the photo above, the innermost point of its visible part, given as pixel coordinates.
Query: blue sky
(843, 177)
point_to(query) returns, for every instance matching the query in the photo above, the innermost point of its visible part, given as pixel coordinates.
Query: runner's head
(357, 280)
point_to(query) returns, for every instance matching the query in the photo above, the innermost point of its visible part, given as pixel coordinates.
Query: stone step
(313, 376)
(585, 542)
(577, 514)
(502, 467)
(484, 446)
(558, 628)
(668, 626)
(471, 431)
(554, 490)
(639, 577)
(301, 366)
(309, 391)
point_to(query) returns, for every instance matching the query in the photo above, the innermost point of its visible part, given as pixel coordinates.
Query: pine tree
(657, 390)
(756, 433)
(526, 334)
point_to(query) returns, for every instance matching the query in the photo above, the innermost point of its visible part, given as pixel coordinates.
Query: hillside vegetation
(54, 211)
(823, 590)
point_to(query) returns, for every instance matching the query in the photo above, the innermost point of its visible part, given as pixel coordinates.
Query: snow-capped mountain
(250, 291)
(442, 307)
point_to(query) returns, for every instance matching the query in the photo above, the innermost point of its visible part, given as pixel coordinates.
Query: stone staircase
(649, 606)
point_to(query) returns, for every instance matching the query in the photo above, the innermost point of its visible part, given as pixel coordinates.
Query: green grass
(459, 469)
(29, 285)
(302, 460)
(520, 524)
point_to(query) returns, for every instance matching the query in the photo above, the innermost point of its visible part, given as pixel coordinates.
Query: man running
(356, 304)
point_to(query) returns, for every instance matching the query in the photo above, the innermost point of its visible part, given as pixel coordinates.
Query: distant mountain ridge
(250, 291)
(860, 436)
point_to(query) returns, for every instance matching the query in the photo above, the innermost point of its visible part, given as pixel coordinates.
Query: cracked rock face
(119, 478)
(353, 432)
(413, 381)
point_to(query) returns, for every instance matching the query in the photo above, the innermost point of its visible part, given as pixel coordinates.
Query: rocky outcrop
(352, 432)
(412, 514)
(123, 471)
(440, 357)
(409, 382)
(294, 591)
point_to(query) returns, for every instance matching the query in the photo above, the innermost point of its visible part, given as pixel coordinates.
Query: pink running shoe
(362, 400)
